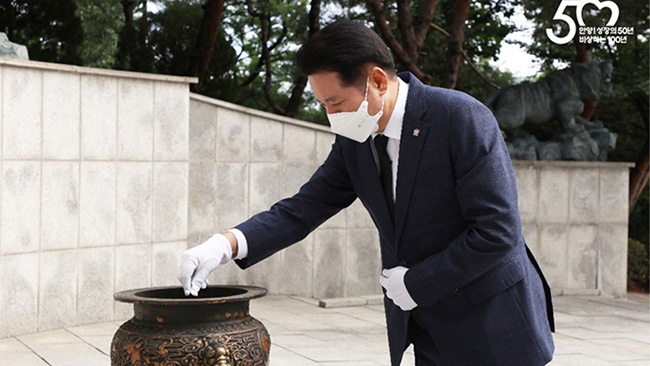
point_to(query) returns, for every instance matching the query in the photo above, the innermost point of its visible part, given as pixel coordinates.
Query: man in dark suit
(431, 167)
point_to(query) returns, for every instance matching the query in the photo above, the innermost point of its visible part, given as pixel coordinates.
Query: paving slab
(591, 331)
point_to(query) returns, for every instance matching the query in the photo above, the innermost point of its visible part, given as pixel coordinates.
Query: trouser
(426, 352)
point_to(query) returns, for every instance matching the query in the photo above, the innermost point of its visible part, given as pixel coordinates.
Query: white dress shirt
(393, 130)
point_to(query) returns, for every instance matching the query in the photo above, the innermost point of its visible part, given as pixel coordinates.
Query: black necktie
(386, 173)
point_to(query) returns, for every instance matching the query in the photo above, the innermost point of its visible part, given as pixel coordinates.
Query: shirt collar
(393, 128)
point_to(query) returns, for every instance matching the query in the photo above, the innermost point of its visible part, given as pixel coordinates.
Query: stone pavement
(592, 331)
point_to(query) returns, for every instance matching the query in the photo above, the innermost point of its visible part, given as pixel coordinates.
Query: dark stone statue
(12, 50)
(556, 98)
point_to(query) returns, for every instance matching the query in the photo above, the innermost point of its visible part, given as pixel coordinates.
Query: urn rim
(174, 295)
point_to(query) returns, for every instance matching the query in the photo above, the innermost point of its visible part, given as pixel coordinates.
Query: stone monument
(556, 98)
(12, 50)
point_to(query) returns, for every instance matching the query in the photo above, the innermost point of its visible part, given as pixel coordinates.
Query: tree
(101, 23)
(269, 33)
(255, 43)
(212, 11)
(313, 26)
(134, 53)
(51, 30)
(455, 42)
(418, 50)
(261, 10)
(413, 31)
(176, 36)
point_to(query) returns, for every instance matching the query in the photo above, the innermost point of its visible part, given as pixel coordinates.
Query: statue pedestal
(591, 142)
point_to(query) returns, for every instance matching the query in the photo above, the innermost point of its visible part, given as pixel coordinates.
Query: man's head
(352, 75)
(347, 48)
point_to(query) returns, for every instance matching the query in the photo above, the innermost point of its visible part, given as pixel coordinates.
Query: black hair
(347, 48)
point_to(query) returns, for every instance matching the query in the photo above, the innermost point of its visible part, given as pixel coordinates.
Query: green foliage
(638, 223)
(220, 83)
(50, 29)
(485, 29)
(282, 26)
(101, 22)
(171, 36)
(471, 83)
(133, 51)
(637, 265)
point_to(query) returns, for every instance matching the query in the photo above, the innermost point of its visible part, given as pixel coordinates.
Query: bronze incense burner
(170, 329)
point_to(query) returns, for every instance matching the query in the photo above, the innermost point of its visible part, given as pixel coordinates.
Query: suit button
(403, 263)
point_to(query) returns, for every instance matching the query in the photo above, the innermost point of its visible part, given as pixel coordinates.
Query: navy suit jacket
(456, 227)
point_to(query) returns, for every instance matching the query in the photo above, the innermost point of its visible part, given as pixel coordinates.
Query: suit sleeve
(486, 192)
(290, 220)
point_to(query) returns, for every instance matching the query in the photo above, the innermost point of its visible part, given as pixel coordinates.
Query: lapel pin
(416, 132)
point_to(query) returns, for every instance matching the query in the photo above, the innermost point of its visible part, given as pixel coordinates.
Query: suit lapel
(413, 137)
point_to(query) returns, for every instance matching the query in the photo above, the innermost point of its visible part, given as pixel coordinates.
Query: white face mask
(358, 125)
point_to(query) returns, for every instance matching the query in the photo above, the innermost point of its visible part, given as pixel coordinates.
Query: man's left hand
(393, 281)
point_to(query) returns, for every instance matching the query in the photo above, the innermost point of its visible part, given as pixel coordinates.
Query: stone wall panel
(21, 207)
(57, 289)
(60, 205)
(61, 116)
(97, 203)
(22, 91)
(19, 294)
(98, 117)
(96, 285)
(135, 120)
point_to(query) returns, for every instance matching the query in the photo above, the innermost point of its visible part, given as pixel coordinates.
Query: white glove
(393, 281)
(198, 262)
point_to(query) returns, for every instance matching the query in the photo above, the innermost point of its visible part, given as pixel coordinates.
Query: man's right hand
(198, 262)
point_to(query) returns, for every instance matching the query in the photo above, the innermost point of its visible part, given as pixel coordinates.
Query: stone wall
(107, 176)
(93, 191)
(575, 218)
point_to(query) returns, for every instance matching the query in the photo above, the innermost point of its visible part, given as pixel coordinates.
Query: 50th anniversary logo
(610, 32)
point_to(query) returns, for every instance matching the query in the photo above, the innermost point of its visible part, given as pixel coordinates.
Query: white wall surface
(93, 190)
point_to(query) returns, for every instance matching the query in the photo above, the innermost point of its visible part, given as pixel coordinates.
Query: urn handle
(223, 357)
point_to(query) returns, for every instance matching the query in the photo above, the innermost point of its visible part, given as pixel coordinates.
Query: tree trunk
(424, 20)
(212, 11)
(455, 42)
(127, 9)
(300, 83)
(266, 54)
(127, 38)
(407, 55)
(405, 25)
